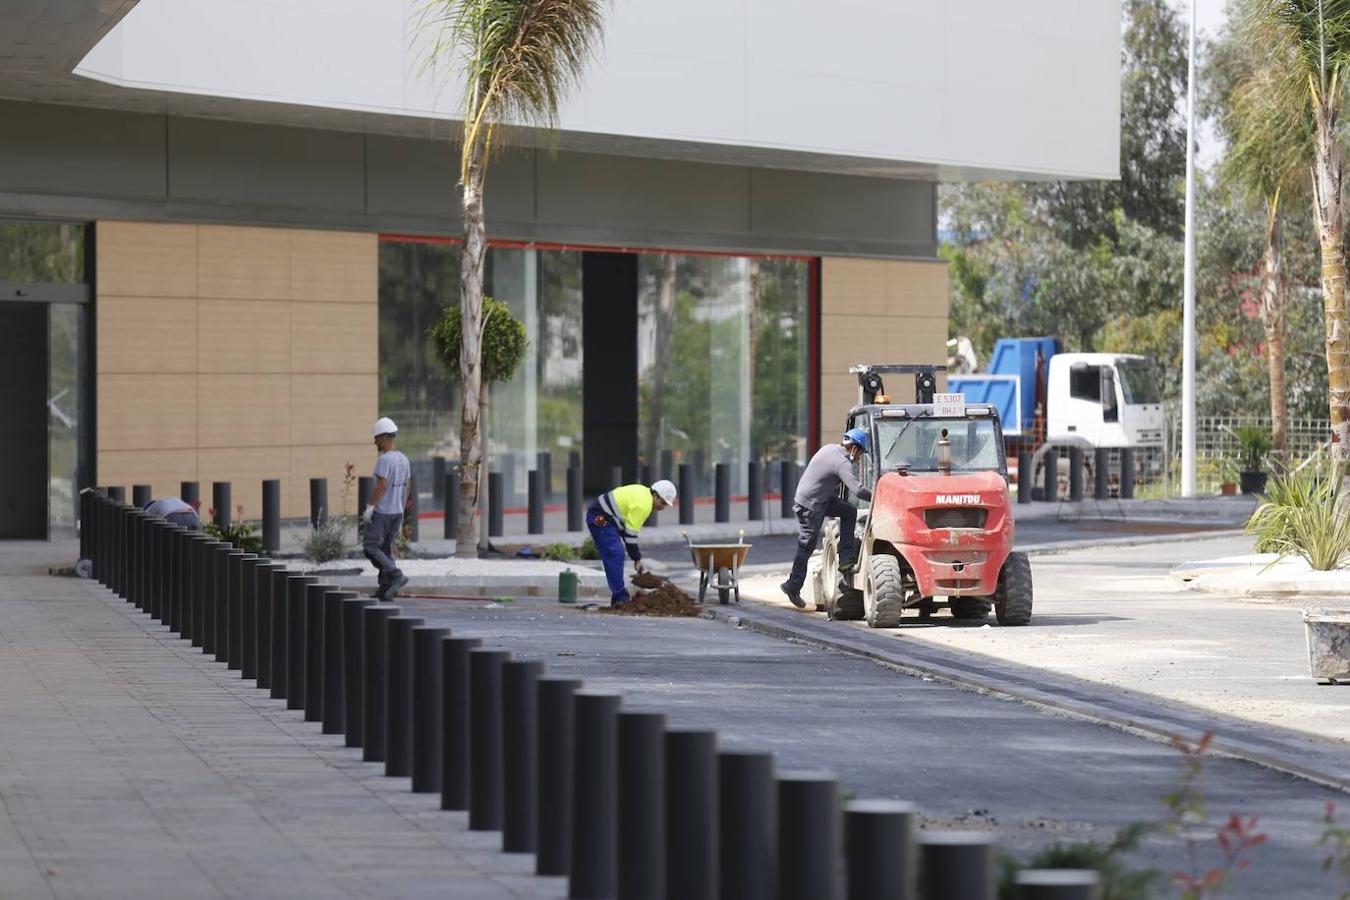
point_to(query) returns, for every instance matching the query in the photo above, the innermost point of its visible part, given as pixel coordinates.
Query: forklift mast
(870, 384)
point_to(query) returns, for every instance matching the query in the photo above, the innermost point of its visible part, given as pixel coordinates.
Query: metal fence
(1217, 449)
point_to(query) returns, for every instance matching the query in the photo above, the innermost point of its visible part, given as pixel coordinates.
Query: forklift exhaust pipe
(944, 454)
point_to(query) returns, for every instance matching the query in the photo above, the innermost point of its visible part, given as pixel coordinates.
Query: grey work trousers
(809, 523)
(378, 546)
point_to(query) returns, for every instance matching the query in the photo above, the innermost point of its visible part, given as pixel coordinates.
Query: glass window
(46, 252)
(1139, 381)
(722, 345)
(1085, 382)
(65, 404)
(913, 442)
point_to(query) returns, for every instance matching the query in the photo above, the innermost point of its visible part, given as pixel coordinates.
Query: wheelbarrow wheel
(724, 585)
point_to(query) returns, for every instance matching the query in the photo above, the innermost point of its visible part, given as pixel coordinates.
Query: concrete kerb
(1121, 709)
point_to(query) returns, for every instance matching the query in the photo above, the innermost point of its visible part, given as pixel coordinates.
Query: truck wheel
(883, 591)
(1012, 603)
(969, 607)
(723, 593)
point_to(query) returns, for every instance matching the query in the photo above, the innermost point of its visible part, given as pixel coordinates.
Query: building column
(609, 381)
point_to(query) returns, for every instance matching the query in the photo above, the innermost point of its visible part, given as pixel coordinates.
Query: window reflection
(46, 252)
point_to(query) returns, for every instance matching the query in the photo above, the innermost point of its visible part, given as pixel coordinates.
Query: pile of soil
(664, 600)
(649, 580)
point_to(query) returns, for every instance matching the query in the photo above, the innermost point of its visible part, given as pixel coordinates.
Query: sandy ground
(1114, 616)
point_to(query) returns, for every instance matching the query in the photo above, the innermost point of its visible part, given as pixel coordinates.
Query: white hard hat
(384, 425)
(665, 490)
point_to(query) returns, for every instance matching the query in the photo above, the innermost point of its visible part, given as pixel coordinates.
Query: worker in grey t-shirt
(817, 499)
(388, 503)
(175, 511)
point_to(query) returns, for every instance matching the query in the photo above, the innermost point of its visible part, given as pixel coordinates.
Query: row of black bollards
(1101, 472)
(617, 800)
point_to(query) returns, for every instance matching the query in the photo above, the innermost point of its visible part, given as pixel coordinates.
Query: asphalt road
(969, 760)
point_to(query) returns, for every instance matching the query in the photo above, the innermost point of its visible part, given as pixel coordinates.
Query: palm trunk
(1331, 229)
(470, 354)
(1272, 318)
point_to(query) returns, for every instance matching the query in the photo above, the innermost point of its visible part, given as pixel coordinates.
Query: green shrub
(327, 542)
(239, 534)
(1254, 445)
(587, 549)
(559, 552)
(1118, 880)
(1303, 514)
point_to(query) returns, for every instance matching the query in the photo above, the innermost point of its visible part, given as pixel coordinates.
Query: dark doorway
(609, 382)
(23, 420)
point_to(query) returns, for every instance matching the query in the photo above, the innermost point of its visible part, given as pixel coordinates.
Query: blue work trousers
(609, 544)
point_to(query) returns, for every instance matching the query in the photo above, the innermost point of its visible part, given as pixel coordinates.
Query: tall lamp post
(1188, 289)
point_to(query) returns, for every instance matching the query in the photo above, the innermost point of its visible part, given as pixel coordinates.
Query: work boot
(620, 601)
(400, 581)
(793, 594)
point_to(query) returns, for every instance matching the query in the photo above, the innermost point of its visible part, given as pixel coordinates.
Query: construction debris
(664, 600)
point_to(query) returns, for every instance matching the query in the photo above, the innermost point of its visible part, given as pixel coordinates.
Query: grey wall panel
(643, 194)
(844, 207)
(419, 177)
(301, 168)
(69, 150)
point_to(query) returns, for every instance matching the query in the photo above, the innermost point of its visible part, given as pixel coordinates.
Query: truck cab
(1107, 399)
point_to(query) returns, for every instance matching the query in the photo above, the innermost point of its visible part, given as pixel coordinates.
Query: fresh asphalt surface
(969, 760)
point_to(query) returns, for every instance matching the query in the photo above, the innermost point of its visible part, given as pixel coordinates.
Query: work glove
(368, 514)
(640, 567)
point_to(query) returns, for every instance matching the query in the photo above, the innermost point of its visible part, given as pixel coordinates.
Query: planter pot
(1252, 482)
(1328, 644)
(1228, 489)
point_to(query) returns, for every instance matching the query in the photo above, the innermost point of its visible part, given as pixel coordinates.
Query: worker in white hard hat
(389, 502)
(614, 520)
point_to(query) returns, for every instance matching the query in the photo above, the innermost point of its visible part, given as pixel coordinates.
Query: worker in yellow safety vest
(614, 520)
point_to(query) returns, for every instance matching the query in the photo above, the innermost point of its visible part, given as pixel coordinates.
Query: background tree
(519, 57)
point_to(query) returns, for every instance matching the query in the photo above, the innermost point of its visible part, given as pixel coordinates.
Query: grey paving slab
(131, 765)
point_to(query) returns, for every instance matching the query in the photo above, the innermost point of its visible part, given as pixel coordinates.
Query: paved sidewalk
(131, 765)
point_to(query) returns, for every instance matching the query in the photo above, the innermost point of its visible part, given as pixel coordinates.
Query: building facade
(226, 228)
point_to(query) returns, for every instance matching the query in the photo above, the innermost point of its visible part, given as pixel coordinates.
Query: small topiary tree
(504, 343)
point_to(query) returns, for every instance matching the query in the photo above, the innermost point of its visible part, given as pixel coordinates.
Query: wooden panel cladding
(877, 311)
(235, 354)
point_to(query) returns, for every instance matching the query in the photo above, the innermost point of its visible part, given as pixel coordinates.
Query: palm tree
(519, 57)
(1270, 151)
(1310, 44)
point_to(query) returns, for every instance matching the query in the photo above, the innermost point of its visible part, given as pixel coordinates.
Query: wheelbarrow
(718, 567)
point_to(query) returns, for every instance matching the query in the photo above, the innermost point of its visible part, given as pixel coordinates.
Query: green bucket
(567, 586)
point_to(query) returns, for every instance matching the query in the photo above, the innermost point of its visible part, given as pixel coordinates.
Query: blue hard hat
(857, 436)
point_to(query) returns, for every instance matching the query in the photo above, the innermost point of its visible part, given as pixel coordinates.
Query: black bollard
(375, 631)
(288, 640)
(427, 731)
(437, 480)
(1101, 474)
(495, 501)
(398, 695)
(545, 466)
(450, 495)
(485, 739)
(209, 594)
(271, 515)
(593, 874)
(412, 519)
(353, 668)
(642, 806)
(140, 495)
(557, 742)
(1050, 485)
(241, 596)
(151, 533)
(575, 505)
(256, 660)
(787, 487)
(535, 515)
(332, 706)
(220, 501)
(1058, 884)
(190, 493)
(879, 849)
(756, 491)
(134, 557)
(318, 501)
(722, 491)
(455, 721)
(177, 561)
(520, 754)
(365, 486)
(691, 813)
(956, 864)
(1127, 473)
(227, 609)
(1026, 477)
(1076, 474)
(748, 825)
(808, 803)
(316, 608)
(686, 492)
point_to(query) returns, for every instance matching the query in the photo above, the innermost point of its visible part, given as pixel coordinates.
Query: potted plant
(1227, 472)
(1254, 445)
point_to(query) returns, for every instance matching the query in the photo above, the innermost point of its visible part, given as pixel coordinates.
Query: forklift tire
(884, 594)
(969, 607)
(848, 606)
(1012, 603)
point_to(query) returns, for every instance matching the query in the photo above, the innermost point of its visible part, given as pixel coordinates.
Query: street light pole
(1188, 313)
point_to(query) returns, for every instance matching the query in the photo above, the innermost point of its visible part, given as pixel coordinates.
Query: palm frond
(519, 58)
(1315, 35)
